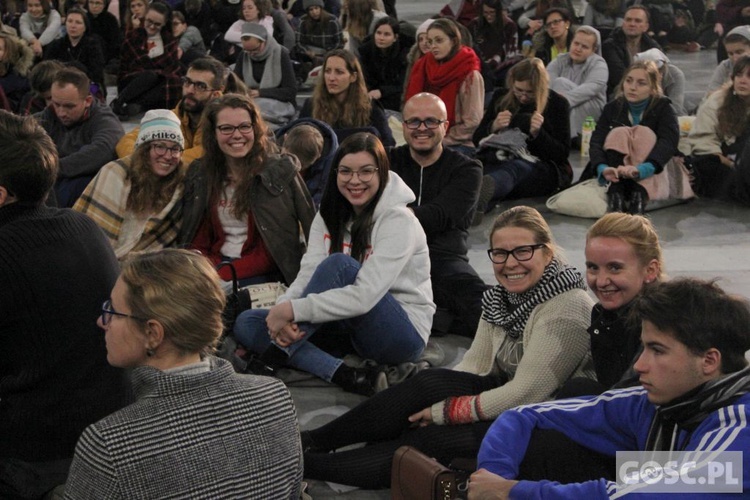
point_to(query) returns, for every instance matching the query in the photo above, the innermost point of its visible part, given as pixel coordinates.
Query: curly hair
(215, 161)
(148, 191)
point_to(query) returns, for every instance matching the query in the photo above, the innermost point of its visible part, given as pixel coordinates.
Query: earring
(149, 352)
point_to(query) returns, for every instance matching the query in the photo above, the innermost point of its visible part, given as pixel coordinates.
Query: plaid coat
(134, 60)
(105, 201)
(209, 435)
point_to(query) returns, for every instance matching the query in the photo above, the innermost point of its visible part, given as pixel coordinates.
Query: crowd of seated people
(370, 238)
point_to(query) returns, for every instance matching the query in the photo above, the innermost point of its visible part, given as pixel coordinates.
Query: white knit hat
(160, 125)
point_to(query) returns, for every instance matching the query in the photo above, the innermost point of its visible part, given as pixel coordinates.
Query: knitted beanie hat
(160, 125)
(422, 28)
(312, 3)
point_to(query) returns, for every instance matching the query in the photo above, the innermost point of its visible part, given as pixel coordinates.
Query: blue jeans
(384, 334)
(507, 175)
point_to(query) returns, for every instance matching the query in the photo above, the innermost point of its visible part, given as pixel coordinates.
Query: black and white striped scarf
(511, 311)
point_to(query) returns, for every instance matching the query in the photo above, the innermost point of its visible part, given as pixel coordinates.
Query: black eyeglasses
(430, 123)
(244, 128)
(154, 24)
(108, 313)
(365, 174)
(554, 22)
(199, 86)
(521, 254)
(161, 149)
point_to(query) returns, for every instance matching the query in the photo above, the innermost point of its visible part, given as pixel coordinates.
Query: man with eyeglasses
(203, 82)
(84, 131)
(620, 49)
(56, 267)
(446, 184)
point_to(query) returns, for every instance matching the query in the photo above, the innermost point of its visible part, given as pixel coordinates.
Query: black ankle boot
(268, 363)
(638, 200)
(357, 380)
(615, 202)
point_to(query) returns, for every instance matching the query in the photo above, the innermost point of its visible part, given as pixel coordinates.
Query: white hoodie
(398, 262)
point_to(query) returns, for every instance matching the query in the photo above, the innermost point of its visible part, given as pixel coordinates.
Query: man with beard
(203, 82)
(446, 184)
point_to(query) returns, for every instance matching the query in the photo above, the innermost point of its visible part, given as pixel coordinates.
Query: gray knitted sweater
(208, 435)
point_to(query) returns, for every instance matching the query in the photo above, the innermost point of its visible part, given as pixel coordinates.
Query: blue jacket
(616, 420)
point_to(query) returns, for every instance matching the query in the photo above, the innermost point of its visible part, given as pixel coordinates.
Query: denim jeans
(384, 334)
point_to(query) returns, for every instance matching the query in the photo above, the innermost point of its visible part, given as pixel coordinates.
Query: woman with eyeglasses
(137, 200)
(149, 76)
(340, 99)
(531, 339)
(364, 281)
(452, 72)
(197, 429)
(556, 37)
(533, 122)
(245, 203)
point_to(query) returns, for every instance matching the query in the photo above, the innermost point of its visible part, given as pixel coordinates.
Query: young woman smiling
(149, 67)
(366, 271)
(39, 25)
(452, 72)
(340, 99)
(531, 339)
(137, 201)
(243, 202)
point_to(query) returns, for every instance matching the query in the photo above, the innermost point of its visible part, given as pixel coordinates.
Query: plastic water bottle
(588, 128)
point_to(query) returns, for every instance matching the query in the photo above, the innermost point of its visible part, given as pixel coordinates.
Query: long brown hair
(356, 109)
(215, 162)
(529, 70)
(148, 191)
(357, 17)
(732, 114)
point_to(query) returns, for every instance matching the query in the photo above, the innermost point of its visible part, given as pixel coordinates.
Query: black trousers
(382, 423)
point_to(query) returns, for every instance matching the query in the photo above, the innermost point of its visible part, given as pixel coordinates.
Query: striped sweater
(208, 435)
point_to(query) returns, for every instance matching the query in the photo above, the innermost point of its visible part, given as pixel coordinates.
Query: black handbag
(237, 301)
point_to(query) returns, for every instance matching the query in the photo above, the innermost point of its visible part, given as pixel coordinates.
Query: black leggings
(382, 423)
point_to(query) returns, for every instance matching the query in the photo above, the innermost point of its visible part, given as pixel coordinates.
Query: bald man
(446, 184)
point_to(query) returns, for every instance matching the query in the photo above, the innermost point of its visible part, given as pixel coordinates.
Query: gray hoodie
(397, 262)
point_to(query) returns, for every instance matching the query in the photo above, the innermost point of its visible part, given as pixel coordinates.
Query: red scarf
(443, 79)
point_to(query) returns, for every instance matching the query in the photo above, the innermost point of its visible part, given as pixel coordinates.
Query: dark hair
(30, 164)
(564, 13)
(732, 113)
(264, 8)
(43, 74)
(86, 22)
(337, 211)
(178, 16)
(305, 142)
(499, 24)
(46, 6)
(736, 38)
(390, 21)
(214, 66)
(449, 27)
(75, 77)
(165, 11)
(214, 160)
(700, 315)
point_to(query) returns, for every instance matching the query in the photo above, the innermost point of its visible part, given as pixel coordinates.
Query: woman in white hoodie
(366, 269)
